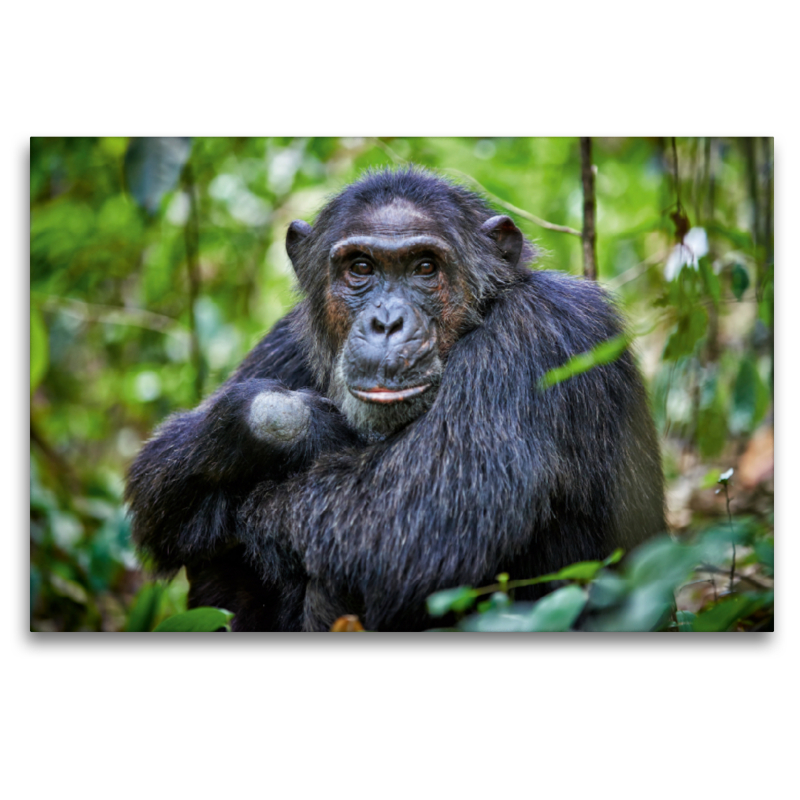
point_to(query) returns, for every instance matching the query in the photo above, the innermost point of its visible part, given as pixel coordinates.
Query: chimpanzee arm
(185, 486)
(462, 491)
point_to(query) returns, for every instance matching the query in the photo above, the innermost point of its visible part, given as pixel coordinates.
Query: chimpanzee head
(397, 268)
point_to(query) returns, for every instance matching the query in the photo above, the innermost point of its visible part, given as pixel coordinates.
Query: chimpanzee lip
(379, 394)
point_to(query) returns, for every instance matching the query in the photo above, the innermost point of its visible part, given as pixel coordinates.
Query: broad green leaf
(690, 329)
(197, 619)
(558, 610)
(555, 612)
(604, 353)
(145, 608)
(740, 280)
(723, 615)
(460, 598)
(39, 348)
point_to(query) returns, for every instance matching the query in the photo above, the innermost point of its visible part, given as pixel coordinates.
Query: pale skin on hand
(279, 418)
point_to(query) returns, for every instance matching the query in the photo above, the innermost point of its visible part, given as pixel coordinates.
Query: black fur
(496, 475)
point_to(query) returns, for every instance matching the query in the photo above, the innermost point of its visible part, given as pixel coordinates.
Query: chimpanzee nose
(387, 320)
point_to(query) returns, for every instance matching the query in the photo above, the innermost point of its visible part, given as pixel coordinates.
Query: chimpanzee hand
(188, 481)
(259, 429)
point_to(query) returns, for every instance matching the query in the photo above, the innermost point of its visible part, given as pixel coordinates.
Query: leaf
(460, 598)
(555, 612)
(723, 615)
(40, 348)
(558, 610)
(582, 571)
(685, 620)
(204, 618)
(750, 398)
(153, 165)
(711, 281)
(765, 552)
(740, 280)
(604, 353)
(145, 608)
(712, 429)
(498, 600)
(690, 329)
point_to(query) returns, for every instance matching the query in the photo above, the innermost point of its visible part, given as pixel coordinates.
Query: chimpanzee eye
(361, 268)
(425, 268)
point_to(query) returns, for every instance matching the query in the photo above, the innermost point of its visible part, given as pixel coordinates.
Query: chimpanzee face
(393, 275)
(396, 300)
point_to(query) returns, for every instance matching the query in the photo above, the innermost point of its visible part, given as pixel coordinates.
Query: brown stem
(589, 235)
(191, 236)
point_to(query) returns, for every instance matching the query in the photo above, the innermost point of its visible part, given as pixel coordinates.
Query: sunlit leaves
(202, 619)
(39, 348)
(604, 353)
(460, 598)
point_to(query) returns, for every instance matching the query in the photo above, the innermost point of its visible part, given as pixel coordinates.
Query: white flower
(693, 248)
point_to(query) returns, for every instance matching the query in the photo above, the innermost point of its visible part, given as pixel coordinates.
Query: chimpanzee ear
(506, 235)
(298, 231)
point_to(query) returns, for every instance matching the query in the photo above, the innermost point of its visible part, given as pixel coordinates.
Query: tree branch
(589, 235)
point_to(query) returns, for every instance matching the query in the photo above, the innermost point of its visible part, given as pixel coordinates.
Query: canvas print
(402, 384)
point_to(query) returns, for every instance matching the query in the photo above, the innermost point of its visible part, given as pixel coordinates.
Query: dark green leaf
(460, 598)
(740, 280)
(750, 398)
(690, 329)
(198, 619)
(145, 608)
(723, 615)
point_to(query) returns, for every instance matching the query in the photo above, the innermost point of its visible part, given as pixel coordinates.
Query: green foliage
(204, 619)
(39, 348)
(145, 608)
(604, 353)
(113, 329)
(638, 597)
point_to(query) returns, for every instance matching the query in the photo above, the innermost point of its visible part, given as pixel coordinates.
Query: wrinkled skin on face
(396, 299)
(393, 275)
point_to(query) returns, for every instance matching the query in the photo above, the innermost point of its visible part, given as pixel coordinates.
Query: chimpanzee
(389, 437)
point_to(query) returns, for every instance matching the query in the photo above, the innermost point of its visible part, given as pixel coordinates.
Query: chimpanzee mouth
(379, 394)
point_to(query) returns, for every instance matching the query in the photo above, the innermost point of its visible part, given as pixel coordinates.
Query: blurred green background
(156, 264)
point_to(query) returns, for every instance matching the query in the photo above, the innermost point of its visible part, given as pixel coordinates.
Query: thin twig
(636, 271)
(542, 223)
(589, 233)
(733, 542)
(113, 315)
